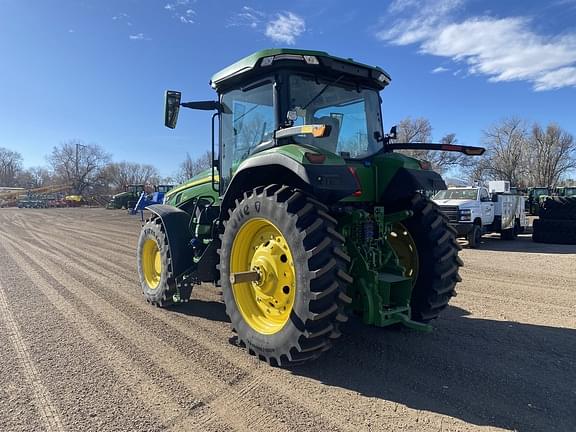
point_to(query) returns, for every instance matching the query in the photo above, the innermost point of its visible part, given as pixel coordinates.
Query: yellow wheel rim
(265, 304)
(405, 248)
(151, 263)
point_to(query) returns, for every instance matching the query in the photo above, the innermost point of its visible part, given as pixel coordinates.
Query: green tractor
(566, 191)
(127, 198)
(307, 214)
(536, 196)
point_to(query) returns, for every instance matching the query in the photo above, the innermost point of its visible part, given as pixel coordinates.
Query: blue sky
(96, 70)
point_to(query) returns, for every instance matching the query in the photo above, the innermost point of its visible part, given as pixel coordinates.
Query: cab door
(487, 207)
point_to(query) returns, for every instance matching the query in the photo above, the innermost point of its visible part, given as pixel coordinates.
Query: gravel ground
(80, 349)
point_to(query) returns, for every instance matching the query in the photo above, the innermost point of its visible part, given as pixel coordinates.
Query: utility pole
(77, 170)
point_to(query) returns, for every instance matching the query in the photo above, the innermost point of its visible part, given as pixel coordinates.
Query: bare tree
(10, 166)
(35, 177)
(419, 130)
(190, 167)
(78, 164)
(551, 154)
(506, 144)
(120, 174)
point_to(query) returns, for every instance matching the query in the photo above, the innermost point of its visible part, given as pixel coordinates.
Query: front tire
(155, 264)
(475, 237)
(293, 312)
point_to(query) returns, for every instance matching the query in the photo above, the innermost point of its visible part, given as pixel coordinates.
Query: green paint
(380, 291)
(250, 62)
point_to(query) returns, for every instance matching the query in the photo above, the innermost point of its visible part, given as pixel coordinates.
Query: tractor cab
(278, 97)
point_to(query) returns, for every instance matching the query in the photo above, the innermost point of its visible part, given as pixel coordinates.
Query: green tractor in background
(536, 196)
(566, 191)
(126, 199)
(307, 214)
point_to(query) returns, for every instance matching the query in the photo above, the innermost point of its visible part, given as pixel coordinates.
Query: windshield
(352, 114)
(457, 194)
(540, 192)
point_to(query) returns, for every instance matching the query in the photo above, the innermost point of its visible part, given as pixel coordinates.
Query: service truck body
(474, 211)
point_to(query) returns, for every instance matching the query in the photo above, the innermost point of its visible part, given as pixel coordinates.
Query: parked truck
(477, 210)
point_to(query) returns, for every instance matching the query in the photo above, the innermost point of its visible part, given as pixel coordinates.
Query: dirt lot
(81, 350)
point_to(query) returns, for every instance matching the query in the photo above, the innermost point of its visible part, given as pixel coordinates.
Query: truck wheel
(475, 237)
(293, 309)
(154, 264)
(512, 233)
(436, 273)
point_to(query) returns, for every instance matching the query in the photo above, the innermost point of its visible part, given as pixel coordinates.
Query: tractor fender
(407, 181)
(328, 183)
(176, 224)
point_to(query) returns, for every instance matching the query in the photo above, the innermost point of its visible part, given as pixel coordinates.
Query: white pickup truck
(474, 211)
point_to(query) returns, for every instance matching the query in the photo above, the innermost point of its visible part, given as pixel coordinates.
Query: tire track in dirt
(48, 413)
(235, 400)
(276, 393)
(157, 400)
(225, 333)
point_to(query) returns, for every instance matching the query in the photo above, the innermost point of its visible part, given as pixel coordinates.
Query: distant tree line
(89, 169)
(524, 156)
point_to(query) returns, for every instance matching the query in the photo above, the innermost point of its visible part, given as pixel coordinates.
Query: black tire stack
(557, 222)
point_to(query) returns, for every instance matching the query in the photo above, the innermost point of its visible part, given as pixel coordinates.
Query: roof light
(311, 60)
(382, 78)
(267, 61)
(288, 57)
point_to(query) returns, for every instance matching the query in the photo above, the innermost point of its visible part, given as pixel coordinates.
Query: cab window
(247, 120)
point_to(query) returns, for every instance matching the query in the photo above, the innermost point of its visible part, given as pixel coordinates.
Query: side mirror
(393, 132)
(171, 108)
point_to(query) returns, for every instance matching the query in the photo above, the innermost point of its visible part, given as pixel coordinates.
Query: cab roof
(325, 60)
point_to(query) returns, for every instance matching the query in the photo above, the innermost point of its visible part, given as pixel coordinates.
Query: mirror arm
(203, 105)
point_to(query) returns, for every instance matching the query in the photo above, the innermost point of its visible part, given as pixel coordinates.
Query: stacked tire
(557, 222)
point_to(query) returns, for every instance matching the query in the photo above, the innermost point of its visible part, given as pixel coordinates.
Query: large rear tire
(155, 264)
(438, 261)
(559, 208)
(293, 312)
(554, 231)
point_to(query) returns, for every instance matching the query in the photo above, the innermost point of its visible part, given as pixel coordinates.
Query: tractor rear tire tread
(558, 208)
(321, 306)
(554, 231)
(438, 256)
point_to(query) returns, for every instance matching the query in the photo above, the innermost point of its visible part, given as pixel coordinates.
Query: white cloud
(247, 17)
(285, 28)
(180, 10)
(138, 36)
(439, 69)
(504, 49)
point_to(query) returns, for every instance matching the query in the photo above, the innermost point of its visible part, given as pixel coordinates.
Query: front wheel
(475, 237)
(155, 264)
(291, 308)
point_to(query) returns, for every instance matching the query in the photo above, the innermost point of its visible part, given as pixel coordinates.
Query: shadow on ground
(495, 373)
(211, 310)
(522, 244)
